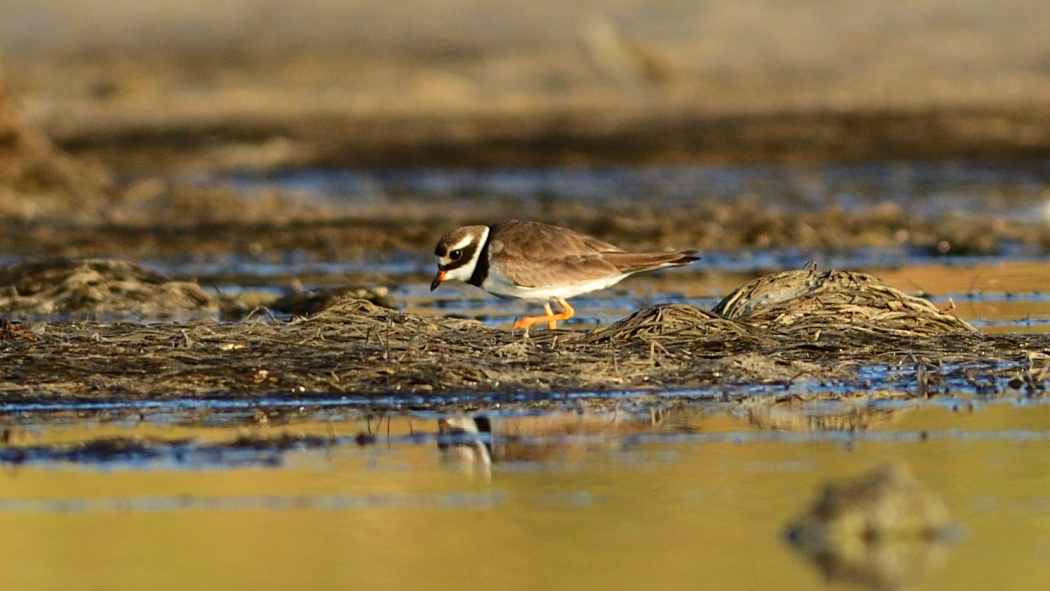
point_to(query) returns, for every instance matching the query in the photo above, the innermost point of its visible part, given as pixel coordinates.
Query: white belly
(497, 284)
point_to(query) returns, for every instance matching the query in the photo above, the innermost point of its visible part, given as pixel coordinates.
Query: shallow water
(635, 498)
(927, 188)
(671, 490)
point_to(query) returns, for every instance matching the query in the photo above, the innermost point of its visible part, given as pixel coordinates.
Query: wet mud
(96, 288)
(215, 222)
(801, 335)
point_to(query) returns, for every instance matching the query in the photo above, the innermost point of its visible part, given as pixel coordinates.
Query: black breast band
(481, 269)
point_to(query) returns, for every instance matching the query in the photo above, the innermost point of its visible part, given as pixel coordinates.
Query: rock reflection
(836, 418)
(882, 530)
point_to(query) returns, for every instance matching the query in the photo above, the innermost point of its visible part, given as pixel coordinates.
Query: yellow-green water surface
(693, 498)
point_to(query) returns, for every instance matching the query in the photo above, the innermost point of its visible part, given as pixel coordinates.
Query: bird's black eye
(455, 254)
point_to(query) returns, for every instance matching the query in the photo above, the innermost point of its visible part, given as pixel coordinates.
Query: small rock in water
(882, 529)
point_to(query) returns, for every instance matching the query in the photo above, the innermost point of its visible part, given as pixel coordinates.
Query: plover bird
(537, 262)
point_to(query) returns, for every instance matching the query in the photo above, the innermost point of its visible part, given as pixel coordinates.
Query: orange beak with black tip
(437, 280)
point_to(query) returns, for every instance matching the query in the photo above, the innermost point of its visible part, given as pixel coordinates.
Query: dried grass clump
(359, 349)
(96, 288)
(362, 314)
(807, 300)
(668, 320)
(786, 309)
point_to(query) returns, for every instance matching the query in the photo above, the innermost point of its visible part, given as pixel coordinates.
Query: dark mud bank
(569, 138)
(801, 334)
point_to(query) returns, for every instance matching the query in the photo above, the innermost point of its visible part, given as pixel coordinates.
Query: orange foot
(551, 318)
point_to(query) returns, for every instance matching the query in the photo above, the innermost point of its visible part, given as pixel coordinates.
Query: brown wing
(538, 255)
(634, 262)
(558, 240)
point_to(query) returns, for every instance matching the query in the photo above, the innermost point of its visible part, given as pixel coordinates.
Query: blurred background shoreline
(261, 85)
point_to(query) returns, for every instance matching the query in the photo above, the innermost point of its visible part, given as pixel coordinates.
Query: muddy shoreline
(406, 366)
(176, 222)
(328, 140)
(809, 329)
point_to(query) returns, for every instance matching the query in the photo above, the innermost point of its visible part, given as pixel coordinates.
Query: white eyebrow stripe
(462, 243)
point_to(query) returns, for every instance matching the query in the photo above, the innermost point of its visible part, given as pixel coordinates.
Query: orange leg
(551, 318)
